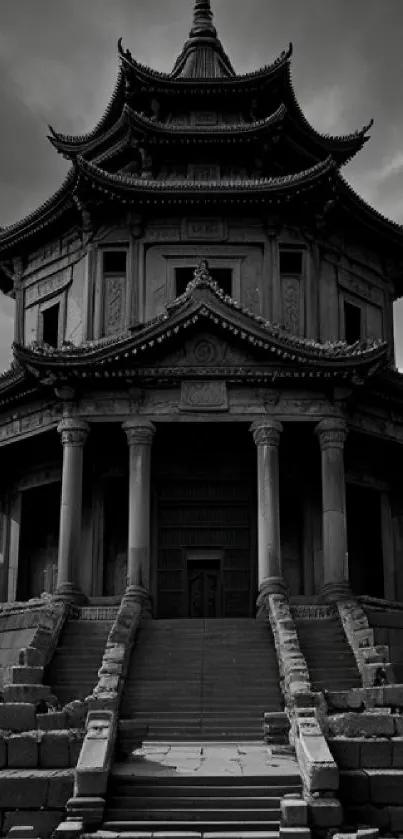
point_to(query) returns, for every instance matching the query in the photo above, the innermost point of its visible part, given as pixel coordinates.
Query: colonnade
(331, 433)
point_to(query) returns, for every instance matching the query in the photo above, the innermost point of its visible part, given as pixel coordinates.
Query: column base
(272, 585)
(70, 593)
(332, 592)
(140, 595)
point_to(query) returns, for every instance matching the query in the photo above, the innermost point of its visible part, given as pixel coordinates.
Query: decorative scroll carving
(207, 351)
(114, 292)
(139, 433)
(292, 304)
(332, 433)
(267, 434)
(204, 396)
(74, 432)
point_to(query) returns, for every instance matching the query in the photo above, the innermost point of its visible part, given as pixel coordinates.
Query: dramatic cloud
(58, 64)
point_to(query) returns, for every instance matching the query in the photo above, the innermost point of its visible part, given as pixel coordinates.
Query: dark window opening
(291, 262)
(352, 323)
(222, 276)
(50, 325)
(114, 262)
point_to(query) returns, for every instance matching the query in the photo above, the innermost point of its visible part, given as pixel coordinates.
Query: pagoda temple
(203, 417)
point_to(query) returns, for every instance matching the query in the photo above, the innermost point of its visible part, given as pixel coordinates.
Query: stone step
(207, 829)
(122, 810)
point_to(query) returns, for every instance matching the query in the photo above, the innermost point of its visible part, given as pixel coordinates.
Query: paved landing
(156, 760)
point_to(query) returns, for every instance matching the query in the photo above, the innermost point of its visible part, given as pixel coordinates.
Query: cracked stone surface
(198, 759)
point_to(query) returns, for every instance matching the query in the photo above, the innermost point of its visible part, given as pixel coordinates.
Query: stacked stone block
(365, 736)
(372, 659)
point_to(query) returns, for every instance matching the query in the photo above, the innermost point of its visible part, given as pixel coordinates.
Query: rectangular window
(50, 325)
(222, 276)
(291, 262)
(114, 269)
(352, 322)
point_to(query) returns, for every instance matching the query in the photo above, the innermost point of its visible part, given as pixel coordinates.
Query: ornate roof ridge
(221, 128)
(144, 184)
(54, 205)
(12, 376)
(57, 137)
(158, 75)
(188, 305)
(357, 137)
(376, 215)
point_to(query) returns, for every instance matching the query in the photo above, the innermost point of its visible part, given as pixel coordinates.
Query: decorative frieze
(202, 229)
(204, 396)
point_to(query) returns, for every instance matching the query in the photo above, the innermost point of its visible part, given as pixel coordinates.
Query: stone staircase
(201, 680)
(72, 673)
(330, 659)
(173, 807)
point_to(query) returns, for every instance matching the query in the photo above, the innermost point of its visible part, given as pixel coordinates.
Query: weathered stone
(23, 791)
(366, 814)
(17, 716)
(41, 822)
(23, 751)
(17, 675)
(294, 812)
(54, 750)
(376, 754)
(361, 725)
(316, 763)
(30, 657)
(367, 833)
(52, 721)
(295, 833)
(325, 813)
(393, 695)
(397, 752)
(396, 819)
(346, 752)
(96, 754)
(354, 787)
(69, 830)
(76, 713)
(90, 809)
(385, 786)
(27, 693)
(76, 740)
(398, 724)
(60, 789)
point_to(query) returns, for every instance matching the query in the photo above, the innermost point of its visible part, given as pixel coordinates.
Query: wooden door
(204, 590)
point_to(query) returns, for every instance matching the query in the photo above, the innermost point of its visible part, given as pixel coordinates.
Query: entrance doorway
(364, 538)
(204, 587)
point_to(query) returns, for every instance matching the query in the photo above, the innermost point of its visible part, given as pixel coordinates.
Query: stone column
(73, 433)
(140, 435)
(332, 434)
(267, 438)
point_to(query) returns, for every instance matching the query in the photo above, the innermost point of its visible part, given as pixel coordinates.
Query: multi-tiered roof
(203, 135)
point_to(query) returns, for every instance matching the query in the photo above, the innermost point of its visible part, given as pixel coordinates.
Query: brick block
(54, 750)
(26, 693)
(17, 675)
(52, 721)
(397, 752)
(376, 754)
(17, 716)
(23, 751)
(75, 746)
(60, 790)
(361, 725)
(3, 750)
(346, 752)
(30, 657)
(294, 812)
(396, 819)
(325, 813)
(24, 792)
(354, 787)
(385, 786)
(43, 823)
(368, 814)
(76, 713)
(393, 696)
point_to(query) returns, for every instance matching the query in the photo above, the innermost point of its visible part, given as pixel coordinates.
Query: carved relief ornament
(267, 434)
(332, 433)
(74, 432)
(139, 433)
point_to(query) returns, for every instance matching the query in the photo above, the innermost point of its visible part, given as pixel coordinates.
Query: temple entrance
(115, 536)
(204, 557)
(364, 536)
(204, 576)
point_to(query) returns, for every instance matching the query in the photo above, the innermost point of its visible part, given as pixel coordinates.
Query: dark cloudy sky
(58, 65)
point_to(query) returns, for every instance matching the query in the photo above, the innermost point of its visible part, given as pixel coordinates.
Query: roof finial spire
(203, 20)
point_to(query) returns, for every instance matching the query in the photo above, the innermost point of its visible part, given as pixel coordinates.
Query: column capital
(74, 431)
(267, 432)
(139, 432)
(332, 433)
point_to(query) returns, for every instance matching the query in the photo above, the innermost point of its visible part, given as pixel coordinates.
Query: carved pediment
(206, 350)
